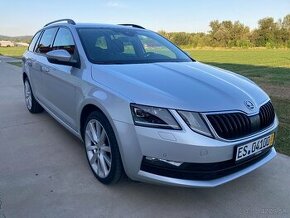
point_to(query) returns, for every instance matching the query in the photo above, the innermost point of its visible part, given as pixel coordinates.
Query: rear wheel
(102, 149)
(32, 105)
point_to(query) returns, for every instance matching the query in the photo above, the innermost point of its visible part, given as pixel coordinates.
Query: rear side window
(45, 43)
(64, 40)
(33, 41)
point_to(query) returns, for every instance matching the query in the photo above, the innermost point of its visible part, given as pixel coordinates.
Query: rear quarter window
(33, 41)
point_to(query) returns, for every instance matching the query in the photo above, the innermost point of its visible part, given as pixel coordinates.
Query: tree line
(270, 34)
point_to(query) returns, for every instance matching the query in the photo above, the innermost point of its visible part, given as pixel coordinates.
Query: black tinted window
(33, 41)
(64, 40)
(44, 45)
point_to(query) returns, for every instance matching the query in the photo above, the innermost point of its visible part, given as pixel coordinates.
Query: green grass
(257, 57)
(15, 52)
(269, 68)
(282, 107)
(18, 64)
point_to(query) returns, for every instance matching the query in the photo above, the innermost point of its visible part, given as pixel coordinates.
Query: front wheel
(102, 149)
(32, 105)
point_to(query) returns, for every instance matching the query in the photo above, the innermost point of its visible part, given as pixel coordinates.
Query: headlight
(153, 117)
(195, 122)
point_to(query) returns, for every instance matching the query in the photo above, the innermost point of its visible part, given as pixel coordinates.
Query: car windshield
(128, 46)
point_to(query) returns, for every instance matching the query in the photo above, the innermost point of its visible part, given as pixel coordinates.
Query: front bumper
(184, 146)
(154, 178)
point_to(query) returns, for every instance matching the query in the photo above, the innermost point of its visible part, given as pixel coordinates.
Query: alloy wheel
(98, 148)
(28, 95)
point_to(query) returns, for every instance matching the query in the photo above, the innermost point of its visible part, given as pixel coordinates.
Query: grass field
(269, 68)
(16, 52)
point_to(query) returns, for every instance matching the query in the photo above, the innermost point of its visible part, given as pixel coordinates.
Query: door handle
(44, 69)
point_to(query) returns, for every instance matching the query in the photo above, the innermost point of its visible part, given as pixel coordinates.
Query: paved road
(44, 173)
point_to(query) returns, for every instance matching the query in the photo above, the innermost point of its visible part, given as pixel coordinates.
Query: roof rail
(70, 21)
(132, 25)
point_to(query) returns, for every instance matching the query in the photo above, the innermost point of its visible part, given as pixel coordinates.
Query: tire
(102, 149)
(32, 105)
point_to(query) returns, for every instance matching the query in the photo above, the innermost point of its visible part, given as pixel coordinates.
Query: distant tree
(265, 34)
(200, 40)
(181, 38)
(229, 34)
(235, 34)
(286, 22)
(163, 33)
(286, 30)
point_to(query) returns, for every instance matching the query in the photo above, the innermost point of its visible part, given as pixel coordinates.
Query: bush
(243, 43)
(270, 45)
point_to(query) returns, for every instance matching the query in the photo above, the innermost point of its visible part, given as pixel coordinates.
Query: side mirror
(61, 56)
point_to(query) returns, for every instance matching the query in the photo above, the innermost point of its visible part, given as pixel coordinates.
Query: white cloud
(113, 4)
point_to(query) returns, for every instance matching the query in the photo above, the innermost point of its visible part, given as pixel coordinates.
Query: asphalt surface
(44, 173)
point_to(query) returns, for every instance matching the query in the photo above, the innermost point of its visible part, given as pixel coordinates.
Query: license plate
(254, 147)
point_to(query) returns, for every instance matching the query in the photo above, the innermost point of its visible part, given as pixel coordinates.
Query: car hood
(189, 86)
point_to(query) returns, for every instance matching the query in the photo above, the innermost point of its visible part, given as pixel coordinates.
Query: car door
(39, 63)
(31, 66)
(60, 81)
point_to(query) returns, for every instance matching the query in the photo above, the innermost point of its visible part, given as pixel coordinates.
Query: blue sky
(19, 17)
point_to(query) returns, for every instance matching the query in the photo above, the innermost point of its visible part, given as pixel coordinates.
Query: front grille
(200, 171)
(237, 125)
(266, 115)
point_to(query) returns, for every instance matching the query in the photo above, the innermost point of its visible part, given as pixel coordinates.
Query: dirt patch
(276, 91)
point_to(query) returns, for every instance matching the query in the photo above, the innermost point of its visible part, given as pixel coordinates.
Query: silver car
(144, 108)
